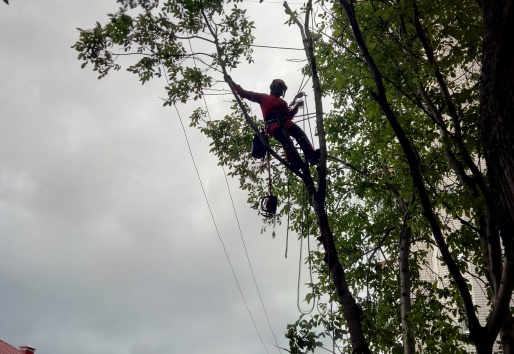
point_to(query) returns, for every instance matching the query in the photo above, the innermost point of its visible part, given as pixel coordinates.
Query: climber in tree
(274, 108)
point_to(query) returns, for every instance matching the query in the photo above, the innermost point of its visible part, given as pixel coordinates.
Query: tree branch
(381, 98)
(449, 104)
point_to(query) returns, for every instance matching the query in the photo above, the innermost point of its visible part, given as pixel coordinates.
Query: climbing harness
(272, 120)
(269, 202)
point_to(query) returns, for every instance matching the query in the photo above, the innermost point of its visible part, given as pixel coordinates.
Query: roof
(7, 349)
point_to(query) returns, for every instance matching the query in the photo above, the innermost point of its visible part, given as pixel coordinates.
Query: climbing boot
(314, 157)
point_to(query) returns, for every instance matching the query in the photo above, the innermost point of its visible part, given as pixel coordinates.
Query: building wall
(437, 271)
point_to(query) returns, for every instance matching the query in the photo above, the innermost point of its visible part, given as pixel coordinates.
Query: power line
(217, 230)
(275, 47)
(239, 227)
(274, 2)
(212, 214)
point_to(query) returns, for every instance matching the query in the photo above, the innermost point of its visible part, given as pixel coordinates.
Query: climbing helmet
(278, 86)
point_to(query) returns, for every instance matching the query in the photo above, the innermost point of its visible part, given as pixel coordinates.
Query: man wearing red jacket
(274, 108)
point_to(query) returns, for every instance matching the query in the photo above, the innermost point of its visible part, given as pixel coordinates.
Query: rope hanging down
(305, 234)
(269, 202)
(239, 227)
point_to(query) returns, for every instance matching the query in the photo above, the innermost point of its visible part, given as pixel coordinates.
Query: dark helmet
(278, 87)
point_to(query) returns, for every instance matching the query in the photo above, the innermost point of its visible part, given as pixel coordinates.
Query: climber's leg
(295, 163)
(296, 132)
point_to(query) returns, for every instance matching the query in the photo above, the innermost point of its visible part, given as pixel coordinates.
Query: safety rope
(330, 292)
(309, 121)
(300, 88)
(288, 213)
(305, 221)
(302, 84)
(237, 219)
(305, 110)
(269, 173)
(270, 187)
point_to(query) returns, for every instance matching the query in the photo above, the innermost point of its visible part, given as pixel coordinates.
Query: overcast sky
(106, 241)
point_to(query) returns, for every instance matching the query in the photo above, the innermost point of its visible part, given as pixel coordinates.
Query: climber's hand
(300, 95)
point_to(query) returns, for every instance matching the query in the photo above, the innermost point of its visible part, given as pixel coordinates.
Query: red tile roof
(7, 349)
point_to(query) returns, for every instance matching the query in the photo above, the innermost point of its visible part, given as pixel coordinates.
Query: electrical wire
(273, 47)
(239, 228)
(217, 230)
(274, 2)
(212, 214)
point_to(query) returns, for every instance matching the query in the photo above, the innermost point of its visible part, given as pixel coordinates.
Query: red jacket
(270, 104)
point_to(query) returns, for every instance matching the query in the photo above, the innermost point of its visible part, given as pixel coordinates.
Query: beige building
(436, 271)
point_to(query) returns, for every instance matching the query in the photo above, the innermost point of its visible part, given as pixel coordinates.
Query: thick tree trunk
(351, 310)
(497, 111)
(507, 335)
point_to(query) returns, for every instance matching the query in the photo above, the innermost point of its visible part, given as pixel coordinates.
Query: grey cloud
(106, 244)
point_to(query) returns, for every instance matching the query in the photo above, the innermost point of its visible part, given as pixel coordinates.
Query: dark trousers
(296, 132)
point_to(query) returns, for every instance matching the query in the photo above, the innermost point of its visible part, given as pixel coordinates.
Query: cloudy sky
(106, 241)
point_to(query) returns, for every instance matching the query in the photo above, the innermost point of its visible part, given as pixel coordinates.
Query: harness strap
(273, 119)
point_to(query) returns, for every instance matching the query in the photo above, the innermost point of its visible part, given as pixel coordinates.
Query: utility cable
(239, 225)
(217, 230)
(274, 47)
(212, 214)
(274, 2)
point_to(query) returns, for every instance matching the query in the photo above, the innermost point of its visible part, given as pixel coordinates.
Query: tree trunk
(351, 310)
(507, 336)
(405, 290)
(497, 111)
(349, 306)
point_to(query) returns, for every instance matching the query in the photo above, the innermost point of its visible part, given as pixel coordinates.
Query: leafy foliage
(160, 37)
(414, 62)
(418, 48)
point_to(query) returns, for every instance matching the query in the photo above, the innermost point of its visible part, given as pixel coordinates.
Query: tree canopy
(402, 185)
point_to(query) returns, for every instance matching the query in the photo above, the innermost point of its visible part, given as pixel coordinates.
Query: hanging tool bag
(258, 148)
